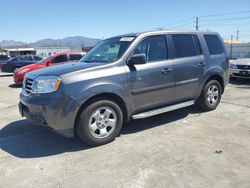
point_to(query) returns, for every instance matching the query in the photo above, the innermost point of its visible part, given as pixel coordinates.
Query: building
(42, 51)
(20, 51)
(48, 51)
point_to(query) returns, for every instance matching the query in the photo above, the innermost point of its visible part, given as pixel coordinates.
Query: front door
(151, 84)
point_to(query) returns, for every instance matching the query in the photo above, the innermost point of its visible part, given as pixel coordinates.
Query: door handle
(166, 70)
(201, 64)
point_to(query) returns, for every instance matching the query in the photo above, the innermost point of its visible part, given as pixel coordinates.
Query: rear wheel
(100, 122)
(210, 96)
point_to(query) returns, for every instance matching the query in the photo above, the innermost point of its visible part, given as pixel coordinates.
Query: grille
(244, 67)
(28, 85)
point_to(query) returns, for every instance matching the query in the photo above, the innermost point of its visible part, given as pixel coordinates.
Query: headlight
(22, 71)
(233, 66)
(46, 84)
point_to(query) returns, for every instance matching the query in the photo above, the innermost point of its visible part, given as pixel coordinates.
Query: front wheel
(100, 122)
(210, 96)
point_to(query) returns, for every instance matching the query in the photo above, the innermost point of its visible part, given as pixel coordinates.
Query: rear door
(189, 65)
(26, 60)
(151, 84)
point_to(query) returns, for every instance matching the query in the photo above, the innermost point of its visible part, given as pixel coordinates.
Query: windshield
(44, 59)
(108, 50)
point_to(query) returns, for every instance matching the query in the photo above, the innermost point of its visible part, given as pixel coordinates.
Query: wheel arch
(102, 96)
(217, 77)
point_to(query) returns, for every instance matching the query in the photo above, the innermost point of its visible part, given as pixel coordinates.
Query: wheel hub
(102, 122)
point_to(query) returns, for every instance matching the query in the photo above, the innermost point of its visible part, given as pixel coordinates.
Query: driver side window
(154, 48)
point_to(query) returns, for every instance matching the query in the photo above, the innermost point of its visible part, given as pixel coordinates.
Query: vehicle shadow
(23, 139)
(240, 83)
(15, 85)
(5, 74)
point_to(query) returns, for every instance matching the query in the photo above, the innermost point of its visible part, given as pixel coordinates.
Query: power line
(180, 22)
(224, 14)
(227, 19)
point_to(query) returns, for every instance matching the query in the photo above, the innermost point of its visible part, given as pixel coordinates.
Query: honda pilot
(126, 77)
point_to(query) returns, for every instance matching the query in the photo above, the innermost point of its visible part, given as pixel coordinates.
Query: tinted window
(60, 58)
(25, 58)
(74, 57)
(197, 45)
(153, 47)
(184, 45)
(37, 58)
(213, 44)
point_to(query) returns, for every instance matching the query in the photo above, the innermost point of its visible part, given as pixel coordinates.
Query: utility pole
(231, 47)
(237, 36)
(197, 23)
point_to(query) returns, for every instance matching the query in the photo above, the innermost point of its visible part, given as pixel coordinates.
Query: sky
(32, 20)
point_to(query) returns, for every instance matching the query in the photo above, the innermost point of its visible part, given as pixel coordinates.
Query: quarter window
(153, 47)
(184, 46)
(213, 44)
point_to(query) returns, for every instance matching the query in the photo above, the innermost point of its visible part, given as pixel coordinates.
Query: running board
(162, 110)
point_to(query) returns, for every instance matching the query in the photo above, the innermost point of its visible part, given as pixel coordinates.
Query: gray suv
(127, 77)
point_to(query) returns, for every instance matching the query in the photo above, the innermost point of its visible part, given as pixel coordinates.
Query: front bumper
(52, 111)
(240, 73)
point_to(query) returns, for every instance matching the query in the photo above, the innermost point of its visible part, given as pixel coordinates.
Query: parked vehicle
(127, 77)
(240, 68)
(4, 58)
(58, 58)
(19, 61)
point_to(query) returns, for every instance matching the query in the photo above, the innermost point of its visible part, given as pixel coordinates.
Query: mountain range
(73, 42)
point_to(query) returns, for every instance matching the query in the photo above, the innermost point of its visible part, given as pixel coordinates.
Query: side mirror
(137, 59)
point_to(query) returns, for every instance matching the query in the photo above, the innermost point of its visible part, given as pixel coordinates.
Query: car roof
(158, 32)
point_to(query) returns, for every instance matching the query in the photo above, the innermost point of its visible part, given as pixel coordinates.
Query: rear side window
(184, 46)
(214, 45)
(25, 58)
(154, 48)
(75, 57)
(60, 58)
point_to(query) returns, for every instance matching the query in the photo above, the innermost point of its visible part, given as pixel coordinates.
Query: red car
(58, 58)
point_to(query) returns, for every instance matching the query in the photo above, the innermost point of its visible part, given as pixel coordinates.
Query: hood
(64, 69)
(244, 61)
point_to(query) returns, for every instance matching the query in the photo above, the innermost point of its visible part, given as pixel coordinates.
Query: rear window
(74, 57)
(184, 46)
(214, 45)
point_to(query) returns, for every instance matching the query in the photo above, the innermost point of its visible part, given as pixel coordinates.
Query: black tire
(83, 128)
(203, 102)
